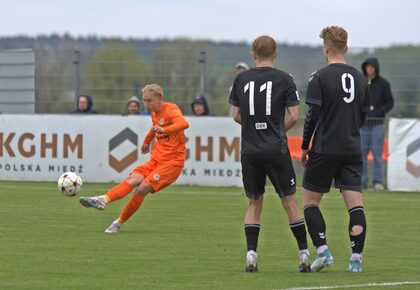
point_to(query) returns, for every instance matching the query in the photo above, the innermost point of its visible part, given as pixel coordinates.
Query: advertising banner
(404, 155)
(105, 148)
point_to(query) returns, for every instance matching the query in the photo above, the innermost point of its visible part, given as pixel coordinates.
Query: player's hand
(157, 129)
(145, 148)
(304, 157)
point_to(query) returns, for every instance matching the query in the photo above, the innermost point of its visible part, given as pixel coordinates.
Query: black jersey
(263, 94)
(342, 93)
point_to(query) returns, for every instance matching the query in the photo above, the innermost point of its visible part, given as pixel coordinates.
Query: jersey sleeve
(178, 121)
(149, 137)
(292, 94)
(313, 92)
(233, 98)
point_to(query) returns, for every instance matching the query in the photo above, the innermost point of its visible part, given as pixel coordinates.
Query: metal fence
(113, 74)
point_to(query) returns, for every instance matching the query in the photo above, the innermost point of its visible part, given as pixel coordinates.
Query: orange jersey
(169, 145)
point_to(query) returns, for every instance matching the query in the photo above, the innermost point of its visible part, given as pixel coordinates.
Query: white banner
(404, 155)
(106, 148)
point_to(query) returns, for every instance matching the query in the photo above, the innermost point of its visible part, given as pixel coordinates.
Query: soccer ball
(70, 184)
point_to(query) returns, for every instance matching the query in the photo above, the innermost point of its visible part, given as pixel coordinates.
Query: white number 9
(349, 90)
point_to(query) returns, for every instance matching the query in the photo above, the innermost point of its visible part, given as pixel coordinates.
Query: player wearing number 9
(337, 97)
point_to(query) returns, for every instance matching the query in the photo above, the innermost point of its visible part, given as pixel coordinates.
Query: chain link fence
(114, 72)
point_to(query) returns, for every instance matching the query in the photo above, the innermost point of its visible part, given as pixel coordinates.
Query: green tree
(176, 67)
(115, 73)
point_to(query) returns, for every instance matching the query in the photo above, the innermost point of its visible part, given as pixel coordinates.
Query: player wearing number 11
(259, 99)
(337, 97)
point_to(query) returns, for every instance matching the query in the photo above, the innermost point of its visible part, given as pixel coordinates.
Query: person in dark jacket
(200, 106)
(373, 133)
(84, 105)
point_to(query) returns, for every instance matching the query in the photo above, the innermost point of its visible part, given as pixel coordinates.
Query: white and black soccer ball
(70, 184)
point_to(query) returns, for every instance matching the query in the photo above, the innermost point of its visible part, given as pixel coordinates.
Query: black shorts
(346, 171)
(278, 167)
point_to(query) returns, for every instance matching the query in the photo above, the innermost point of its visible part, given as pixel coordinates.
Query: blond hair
(153, 89)
(264, 47)
(334, 37)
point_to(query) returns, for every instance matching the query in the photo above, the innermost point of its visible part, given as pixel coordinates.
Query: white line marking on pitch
(356, 285)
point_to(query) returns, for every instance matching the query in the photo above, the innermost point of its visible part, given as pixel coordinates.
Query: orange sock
(131, 207)
(119, 191)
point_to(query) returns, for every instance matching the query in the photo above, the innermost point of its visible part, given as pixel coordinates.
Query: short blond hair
(153, 89)
(335, 37)
(264, 47)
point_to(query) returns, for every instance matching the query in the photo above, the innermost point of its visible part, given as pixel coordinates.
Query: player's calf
(357, 234)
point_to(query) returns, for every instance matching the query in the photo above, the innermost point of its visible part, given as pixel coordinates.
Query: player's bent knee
(135, 179)
(143, 189)
(356, 230)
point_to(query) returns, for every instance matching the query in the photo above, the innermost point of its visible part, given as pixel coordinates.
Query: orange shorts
(158, 175)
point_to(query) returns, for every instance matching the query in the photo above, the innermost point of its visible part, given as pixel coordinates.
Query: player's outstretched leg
(357, 228)
(117, 192)
(252, 231)
(130, 208)
(297, 225)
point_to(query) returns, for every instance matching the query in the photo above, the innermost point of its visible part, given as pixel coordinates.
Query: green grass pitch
(189, 237)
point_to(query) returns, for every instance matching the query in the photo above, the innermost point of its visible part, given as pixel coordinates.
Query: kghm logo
(413, 158)
(123, 142)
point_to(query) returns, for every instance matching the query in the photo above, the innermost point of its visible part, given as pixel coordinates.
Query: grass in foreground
(190, 238)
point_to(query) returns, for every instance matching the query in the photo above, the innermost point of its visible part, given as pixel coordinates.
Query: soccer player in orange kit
(163, 168)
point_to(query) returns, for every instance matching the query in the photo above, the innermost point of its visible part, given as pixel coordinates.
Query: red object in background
(295, 144)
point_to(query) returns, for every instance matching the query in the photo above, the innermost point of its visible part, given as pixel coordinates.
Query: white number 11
(267, 87)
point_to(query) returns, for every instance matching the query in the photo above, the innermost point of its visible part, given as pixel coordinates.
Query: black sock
(357, 218)
(316, 225)
(299, 231)
(251, 232)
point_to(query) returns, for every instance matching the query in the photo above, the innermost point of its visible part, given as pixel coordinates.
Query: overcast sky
(369, 22)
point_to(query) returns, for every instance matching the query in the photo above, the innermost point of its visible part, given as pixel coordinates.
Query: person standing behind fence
(200, 107)
(373, 133)
(240, 67)
(133, 107)
(84, 105)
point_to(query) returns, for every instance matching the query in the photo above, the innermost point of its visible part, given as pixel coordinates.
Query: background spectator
(84, 105)
(373, 133)
(241, 67)
(133, 106)
(200, 107)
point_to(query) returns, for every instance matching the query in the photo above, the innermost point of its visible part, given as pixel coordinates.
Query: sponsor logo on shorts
(121, 163)
(292, 182)
(260, 126)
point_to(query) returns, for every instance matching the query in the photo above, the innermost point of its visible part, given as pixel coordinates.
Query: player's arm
(292, 104)
(310, 124)
(236, 114)
(234, 102)
(146, 143)
(314, 101)
(292, 117)
(178, 123)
